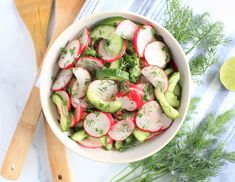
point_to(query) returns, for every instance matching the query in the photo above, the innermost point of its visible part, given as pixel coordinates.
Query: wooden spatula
(13, 164)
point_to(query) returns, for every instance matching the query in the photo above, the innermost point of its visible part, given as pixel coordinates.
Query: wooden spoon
(13, 164)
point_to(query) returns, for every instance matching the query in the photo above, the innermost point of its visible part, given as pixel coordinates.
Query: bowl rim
(187, 71)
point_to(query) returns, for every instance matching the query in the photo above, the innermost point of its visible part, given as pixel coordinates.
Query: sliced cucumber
(173, 80)
(65, 121)
(107, 32)
(114, 21)
(166, 107)
(141, 136)
(168, 71)
(118, 144)
(115, 64)
(108, 146)
(172, 99)
(106, 106)
(89, 52)
(112, 74)
(177, 90)
(79, 136)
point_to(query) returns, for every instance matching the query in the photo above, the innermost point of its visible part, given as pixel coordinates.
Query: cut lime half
(227, 74)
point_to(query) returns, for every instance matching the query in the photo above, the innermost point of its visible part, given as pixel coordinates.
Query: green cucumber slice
(112, 74)
(118, 144)
(168, 71)
(115, 64)
(166, 107)
(141, 136)
(172, 99)
(79, 136)
(113, 21)
(107, 32)
(106, 106)
(173, 80)
(177, 90)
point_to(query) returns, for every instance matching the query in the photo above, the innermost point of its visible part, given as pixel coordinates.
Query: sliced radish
(157, 53)
(104, 89)
(137, 88)
(62, 80)
(127, 103)
(121, 130)
(156, 76)
(109, 140)
(143, 62)
(126, 29)
(90, 63)
(148, 117)
(110, 118)
(137, 97)
(148, 93)
(91, 142)
(78, 114)
(97, 124)
(69, 54)
(80, 86)
(66, 98)
(84, 39)
(143, 36)
(108, 57)
(73, 120)
(83, 102)
(166, 122)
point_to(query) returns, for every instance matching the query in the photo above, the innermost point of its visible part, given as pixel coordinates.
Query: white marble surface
(17, 73)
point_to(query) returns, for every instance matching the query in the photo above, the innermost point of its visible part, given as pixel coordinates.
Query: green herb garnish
(195, 33)
(193, 155)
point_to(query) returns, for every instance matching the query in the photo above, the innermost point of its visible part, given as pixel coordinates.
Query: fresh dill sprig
(193, 155)
(195, 33)
(130, 142)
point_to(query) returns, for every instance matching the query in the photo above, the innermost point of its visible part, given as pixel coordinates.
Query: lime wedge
(227, 74)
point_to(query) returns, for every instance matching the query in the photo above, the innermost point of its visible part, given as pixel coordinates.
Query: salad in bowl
(115, 82)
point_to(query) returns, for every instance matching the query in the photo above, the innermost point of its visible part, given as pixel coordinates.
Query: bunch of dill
(197, 33)
(193, 155)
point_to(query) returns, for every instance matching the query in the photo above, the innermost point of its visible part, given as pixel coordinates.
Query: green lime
(227, 74)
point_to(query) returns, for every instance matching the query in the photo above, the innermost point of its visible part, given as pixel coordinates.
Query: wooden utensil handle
(57, 157)
(20, 142)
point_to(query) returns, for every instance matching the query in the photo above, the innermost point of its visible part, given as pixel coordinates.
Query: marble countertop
(17, 73)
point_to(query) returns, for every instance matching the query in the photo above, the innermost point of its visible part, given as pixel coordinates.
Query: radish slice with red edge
(148, 117)
(157, 53)
(62, 80)
(166, 122)
(108, 57)
(143, 36)
(97, 124)
(80, 86)
(137, 88)
(109, 140)
(90, 63)
(126, 29)
(127, 103)
(78, 114)
(84, 39)
(66, 98)
(104, 89)
(156, 76)
(121, 130)
(91, 142)
(148, 93)
(69, 54)
(134, 95)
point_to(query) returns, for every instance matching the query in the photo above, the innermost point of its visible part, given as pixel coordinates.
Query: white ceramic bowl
(141, 151)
